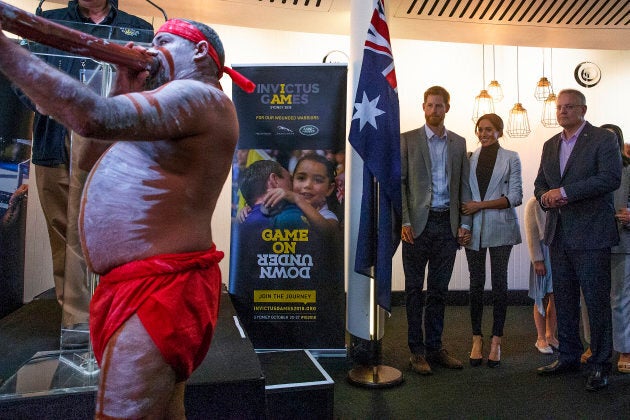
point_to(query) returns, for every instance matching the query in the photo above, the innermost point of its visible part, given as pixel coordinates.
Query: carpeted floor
(512, 391)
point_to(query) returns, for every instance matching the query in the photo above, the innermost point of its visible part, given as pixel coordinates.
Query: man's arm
(407, 234)
(541, 186)
(169, 112)
(608, 176)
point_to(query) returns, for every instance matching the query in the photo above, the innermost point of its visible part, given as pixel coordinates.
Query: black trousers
(436, 246)
(499, 258)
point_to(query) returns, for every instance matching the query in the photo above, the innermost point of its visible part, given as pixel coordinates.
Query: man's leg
(52, 189)
(414, 263)
(566, 290)
(135, 381)
(76, 287)
(441, 262)
(593, 268)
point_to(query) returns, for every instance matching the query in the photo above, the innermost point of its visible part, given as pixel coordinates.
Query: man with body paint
(146, 209)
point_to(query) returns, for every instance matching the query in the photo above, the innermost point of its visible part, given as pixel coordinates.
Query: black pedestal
(228, 384)
(296, 386)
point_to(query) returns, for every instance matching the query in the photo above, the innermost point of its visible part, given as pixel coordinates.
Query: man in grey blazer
(580, 168)
(434, 183)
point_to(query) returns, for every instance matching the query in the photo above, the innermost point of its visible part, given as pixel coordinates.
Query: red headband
(190, 32)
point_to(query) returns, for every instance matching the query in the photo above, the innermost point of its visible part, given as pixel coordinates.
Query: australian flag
(375, 135)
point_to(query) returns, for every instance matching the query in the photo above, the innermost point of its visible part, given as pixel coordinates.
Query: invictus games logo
(286, 94)
(308, 130)
(587, 74)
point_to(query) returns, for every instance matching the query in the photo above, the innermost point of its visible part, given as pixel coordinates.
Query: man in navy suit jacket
(580, 169)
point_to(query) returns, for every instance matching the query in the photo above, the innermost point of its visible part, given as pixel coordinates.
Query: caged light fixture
(483, 101)
(494, 87)
(543, 87)
(548, 118)
(518, 123)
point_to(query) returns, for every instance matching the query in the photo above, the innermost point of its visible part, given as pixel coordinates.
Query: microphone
(38, 11)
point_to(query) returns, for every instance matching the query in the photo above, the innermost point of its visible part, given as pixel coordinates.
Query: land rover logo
(308, 130)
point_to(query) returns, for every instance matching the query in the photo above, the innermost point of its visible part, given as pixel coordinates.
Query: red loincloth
(176, 297)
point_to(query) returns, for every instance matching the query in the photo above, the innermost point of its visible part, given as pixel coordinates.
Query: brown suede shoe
(584, 357)
(442, 358)
(420, 365)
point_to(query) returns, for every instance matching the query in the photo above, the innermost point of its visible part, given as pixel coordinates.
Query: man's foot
(419, 365)
(442, 358)
(623, 365)
(584, 357)
(558, 367)
(597, 380)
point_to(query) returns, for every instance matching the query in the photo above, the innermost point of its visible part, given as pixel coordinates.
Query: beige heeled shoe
(494, 358)
(476, 353)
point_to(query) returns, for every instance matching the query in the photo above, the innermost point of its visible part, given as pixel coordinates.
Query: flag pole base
(379, 376)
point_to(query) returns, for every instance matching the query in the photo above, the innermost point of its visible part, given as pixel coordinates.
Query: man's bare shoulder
(185, 89)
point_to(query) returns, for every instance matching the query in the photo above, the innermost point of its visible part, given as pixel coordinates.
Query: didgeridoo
(46, 32)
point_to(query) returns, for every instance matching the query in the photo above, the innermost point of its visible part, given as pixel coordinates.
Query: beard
(434, 120)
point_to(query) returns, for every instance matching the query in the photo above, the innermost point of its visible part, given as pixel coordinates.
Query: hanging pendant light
(548, 118)
(494, 87)
(518, 123)
(543, 87)
(483, 101)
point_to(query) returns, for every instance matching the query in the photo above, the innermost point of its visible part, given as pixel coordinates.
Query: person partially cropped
(620, 263)
(540, 279)
(58, 189)
(496, 188)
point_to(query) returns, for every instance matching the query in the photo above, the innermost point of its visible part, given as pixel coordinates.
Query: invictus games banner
(286, 259)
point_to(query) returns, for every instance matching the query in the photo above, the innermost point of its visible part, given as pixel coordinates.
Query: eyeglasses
(567, 107)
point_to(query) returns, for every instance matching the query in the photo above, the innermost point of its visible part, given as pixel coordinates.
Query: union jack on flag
(375, 135)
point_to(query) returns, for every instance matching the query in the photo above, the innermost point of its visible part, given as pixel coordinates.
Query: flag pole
(374, 374)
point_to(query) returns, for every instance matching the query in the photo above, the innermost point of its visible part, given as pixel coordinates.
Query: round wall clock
(587, 74)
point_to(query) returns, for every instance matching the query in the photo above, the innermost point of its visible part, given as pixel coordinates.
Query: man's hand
(553, 199)
(407, 234)
(463, 236)
(128, 80)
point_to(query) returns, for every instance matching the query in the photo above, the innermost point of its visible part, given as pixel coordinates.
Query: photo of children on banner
(313, 190)
(255, 182)
(288, 242)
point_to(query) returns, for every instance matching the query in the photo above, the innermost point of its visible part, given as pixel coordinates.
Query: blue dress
(540, 286)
